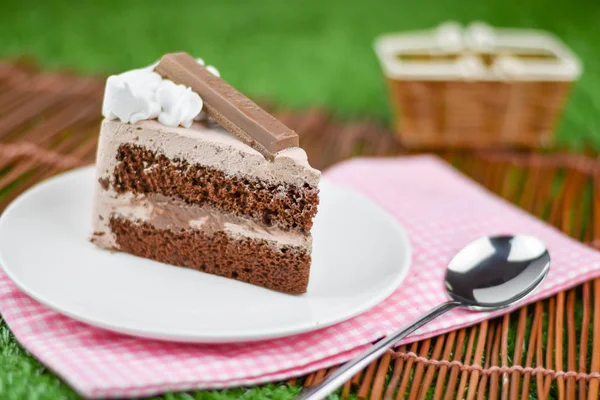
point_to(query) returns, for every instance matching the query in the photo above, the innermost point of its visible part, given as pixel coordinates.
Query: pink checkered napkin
(441, 210)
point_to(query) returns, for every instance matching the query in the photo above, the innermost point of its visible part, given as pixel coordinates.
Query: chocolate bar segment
(234, 111)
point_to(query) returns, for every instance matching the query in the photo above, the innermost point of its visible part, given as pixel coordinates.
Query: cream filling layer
(175, 215)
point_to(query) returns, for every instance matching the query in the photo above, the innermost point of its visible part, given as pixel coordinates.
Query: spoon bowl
(488, 274)
(496, 272)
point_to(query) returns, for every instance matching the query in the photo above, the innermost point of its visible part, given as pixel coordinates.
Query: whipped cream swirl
(142, 94)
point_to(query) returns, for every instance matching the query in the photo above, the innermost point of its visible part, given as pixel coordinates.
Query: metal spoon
(489, 274)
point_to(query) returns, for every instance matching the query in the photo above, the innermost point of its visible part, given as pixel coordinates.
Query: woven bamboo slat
(550, 349)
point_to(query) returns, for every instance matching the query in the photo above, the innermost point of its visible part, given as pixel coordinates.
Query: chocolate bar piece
(234, 111)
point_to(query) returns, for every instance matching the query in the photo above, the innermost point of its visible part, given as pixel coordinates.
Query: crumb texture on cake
(141, 171)
(254, 261)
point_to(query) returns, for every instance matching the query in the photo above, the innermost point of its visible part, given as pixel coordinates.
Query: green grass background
(297, 53)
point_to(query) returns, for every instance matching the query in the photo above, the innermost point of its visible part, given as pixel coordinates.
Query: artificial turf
(299, 54)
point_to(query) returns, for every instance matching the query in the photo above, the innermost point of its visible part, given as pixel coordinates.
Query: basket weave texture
(455, 114)
(476, 86)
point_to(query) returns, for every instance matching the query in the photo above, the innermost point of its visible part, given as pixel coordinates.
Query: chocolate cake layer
(255, 261)
(289, 207)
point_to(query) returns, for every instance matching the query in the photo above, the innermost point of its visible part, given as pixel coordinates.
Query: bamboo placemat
(551, 349)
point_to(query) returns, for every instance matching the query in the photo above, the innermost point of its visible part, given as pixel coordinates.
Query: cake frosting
(206, 144)
(142, 94)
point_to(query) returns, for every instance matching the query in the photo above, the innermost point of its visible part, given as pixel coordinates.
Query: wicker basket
(476, 87)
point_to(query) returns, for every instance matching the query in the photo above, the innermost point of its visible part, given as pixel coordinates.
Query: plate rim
(188, 337)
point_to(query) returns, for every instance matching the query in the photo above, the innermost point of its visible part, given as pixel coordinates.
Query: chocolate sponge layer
(289, 207)
(285, 269)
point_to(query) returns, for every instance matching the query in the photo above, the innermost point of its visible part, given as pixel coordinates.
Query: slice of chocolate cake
(198, 196)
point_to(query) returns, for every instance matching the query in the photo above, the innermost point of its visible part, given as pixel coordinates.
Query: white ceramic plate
(360, 256)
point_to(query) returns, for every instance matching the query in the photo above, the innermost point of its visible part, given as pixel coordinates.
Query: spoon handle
(352, 367)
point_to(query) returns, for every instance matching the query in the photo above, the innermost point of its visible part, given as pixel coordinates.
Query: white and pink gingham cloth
(441, 211)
